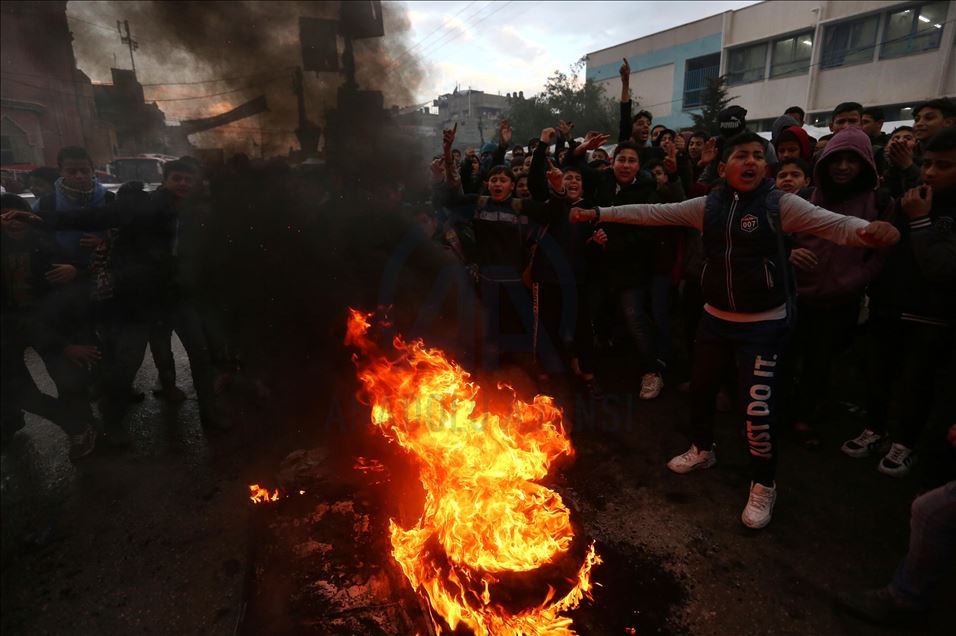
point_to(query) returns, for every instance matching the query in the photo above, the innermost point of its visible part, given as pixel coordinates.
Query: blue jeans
(932, 547)
(757, 348)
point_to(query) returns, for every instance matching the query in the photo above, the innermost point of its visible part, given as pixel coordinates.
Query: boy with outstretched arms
(745, 287)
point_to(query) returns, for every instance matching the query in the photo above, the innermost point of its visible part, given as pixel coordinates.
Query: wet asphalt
(155, 539)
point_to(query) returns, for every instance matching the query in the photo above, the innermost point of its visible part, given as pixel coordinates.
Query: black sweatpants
(821, 333)
(912, 354)
(563, 327)
(758, 348)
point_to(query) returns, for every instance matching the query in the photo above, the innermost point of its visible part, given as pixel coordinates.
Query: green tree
(715, 100)
(566, 96)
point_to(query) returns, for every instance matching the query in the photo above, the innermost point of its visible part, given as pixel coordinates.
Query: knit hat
(731, 120)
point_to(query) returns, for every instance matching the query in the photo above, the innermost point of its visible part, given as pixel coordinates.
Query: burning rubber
(493, 550)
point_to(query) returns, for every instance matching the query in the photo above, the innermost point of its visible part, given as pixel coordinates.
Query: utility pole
(128, 40)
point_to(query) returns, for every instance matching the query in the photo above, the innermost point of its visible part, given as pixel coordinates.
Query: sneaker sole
(902, 471)
(709, 463)
(864, 452)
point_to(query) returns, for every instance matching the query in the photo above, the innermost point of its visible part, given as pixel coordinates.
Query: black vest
(741, 271)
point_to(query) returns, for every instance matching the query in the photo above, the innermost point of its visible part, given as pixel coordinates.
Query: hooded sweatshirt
(843, 272)
(799, 135)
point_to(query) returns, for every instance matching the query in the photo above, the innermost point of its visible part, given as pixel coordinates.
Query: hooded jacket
(799, 135)
(843, 272)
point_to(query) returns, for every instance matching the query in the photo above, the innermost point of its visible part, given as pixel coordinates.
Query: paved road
(155, 540)
(151, 540)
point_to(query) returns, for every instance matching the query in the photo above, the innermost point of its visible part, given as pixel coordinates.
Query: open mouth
(748, 175)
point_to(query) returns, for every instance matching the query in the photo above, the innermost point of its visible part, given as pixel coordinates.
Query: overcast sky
(507, 46)
(496, 46)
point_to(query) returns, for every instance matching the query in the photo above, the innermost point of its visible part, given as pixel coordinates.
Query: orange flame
(260, 495)
(479, 471)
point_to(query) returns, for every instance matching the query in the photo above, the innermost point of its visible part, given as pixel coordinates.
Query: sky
(514, 46)
(495, 46)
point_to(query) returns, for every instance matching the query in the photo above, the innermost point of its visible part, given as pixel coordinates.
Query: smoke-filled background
(250, 48)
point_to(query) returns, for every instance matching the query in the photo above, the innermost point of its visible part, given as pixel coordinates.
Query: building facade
(476, 113)
(778, 54)
(46, 102)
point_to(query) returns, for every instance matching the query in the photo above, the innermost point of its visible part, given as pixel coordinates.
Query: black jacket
(742, 271)
(918, 281)
(142, 257)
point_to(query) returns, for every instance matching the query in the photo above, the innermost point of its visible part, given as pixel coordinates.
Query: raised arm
(625, 126)
(538, 175)
(688, 213)
(798, 215)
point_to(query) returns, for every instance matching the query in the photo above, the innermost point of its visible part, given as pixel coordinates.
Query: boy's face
(904, 137)
(659, 175)
(641, 129)
(600, 153)
(790, 178)
(745, 167)
(572, 184)
(939, 170)
(77, 174)
(788, 150)
(929, 121)
(500, 187)
(695, 147)
(40, 187)
(843, 167)
(456, 155)
(521, 188)
(626, 165)
(656, 132)
(871, 126)
(849, 119)
(179, 184)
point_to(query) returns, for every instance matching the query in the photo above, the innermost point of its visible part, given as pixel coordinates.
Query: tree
(715, 100)
(565, 96)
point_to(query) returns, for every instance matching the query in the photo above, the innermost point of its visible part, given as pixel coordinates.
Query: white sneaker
(864, 444)
(651, 385)
(759, 506)
(693, 459)
(897, 462)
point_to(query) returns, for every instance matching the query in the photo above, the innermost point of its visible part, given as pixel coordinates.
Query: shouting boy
(745, 282)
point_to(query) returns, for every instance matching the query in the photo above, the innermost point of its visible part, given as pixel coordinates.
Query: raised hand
(547, 135)
(709, 153)
(556, 179)
(900, 154)
(504, 133)
(625, 71)
(564, 127)
(670, 160)
(879, 234)
(918, 201)
(438, 170)
(448, 139)
(594, 140)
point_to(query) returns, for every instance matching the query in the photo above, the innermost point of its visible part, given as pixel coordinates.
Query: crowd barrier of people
(762, 261)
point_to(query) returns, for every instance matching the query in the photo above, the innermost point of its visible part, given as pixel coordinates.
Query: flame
(479, 471)
(261, 495)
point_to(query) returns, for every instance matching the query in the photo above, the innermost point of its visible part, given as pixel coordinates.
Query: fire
(261, 495)
(485, 518)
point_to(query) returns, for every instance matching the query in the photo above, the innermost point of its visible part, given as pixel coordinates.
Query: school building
(776, 54)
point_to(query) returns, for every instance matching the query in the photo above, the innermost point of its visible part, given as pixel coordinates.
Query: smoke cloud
(191, 41)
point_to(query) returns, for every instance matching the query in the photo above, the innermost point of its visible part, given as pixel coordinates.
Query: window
(850, 42)
(747, 64)
(913, 30)
(791, 55)
(697, 77)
